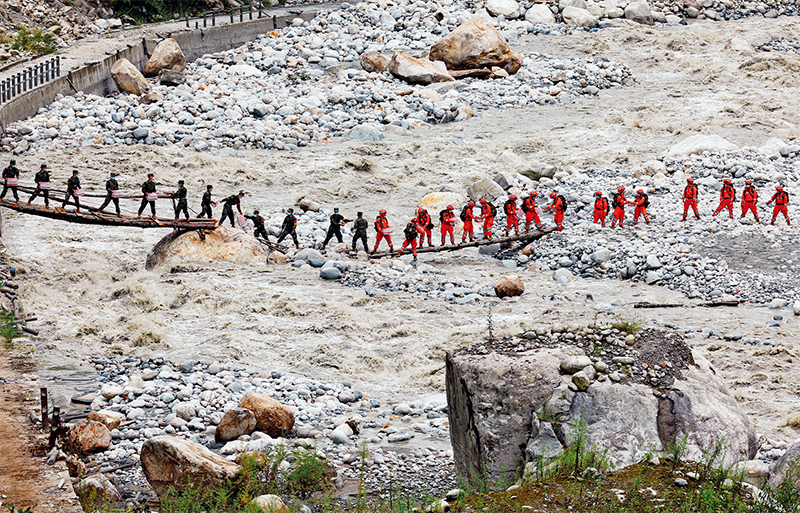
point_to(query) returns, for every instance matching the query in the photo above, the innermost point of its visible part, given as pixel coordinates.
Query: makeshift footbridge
(92, 215)
(522, 237)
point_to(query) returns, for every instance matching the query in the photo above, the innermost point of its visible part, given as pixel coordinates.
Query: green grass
(8, 329)
(631, 326)
(38, 41)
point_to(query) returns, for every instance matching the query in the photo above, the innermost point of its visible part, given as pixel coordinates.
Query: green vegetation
(10, 508)
(631, 326)
(38, 42)
(150, 11)
(8, 329)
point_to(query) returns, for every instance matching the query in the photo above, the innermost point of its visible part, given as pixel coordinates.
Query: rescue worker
(112, 193)
(618, 202)
(600, 209)
(10, 180)
(559, 206)
(42, 180)
(258, 225)
(468, 217)
(74, 191)
(642, 202)
(360, 234)
(205, 203)
(411, 234)
(149, 195)
(781, 199)
(512, 219)
(690, 198)
(447, 218)
(382, 231)
(289, 227)
(529, 207)
(726, 198)
(488, 213)
(335, 228)
(749, 200)
(424, 226)
(227, 208)
(182, 205)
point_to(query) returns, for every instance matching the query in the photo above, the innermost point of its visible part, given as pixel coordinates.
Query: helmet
(748, 182)
(335, 209)
(180, 182)
(449, 207)
(534, 194)
(421, 210)
(513, 197)
(483, 200)
(727, 180)
(209, 187)
(471, 203)
(74, 171)
(553, 194)
(291, 211)
(690, 180)
(150, 175)
(413, 219)
(255, 212)
(621, 189)
(779, 188)
(598, 194)
(382, 212)
(640, 191)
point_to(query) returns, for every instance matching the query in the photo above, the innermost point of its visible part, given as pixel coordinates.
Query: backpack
(493, 210)
(463, 214)
(441, 216)
(563, 202)
(615, 199)
(646, 200)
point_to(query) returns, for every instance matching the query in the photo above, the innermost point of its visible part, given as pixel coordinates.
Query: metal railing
(210, 17)
(30, 78)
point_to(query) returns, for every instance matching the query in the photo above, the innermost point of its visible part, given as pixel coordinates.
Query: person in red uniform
(600, 209)
(424, 226)
(529, 207)
(512, 219)
(619, 201)
(448, 221)
(726, 198)
(468, 217)
(559, 205)
(488, 213)
(411, 232)
(642, 202)
(383, 231)
(749, 200)
(781, 199)
(690, 198)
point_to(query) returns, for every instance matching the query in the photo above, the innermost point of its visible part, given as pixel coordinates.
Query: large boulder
(224, 243)
(476, 44)
(235, 423)
(109, 419)
(270, 504)
(484, 188)
(373, 61)
(697, 144)
(272, 417)
(417, 71)
(95, 492)
(509, 286)
(435, 202)
(540, 13)
(506, 409)
(128, 78)
(579, 17)
(167, 55)
(169, 461)
(88, 436)
(639, 12)
(788, 467)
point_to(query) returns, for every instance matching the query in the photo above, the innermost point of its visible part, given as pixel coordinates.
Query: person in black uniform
(182, 205)
(205, 203)
(258, 223)
(11, 173)
(73, 184)
(360, 225)
(42, 180)
(227, 208)
(112, 188)
(337, 220)
(289, 227)
(149, 195)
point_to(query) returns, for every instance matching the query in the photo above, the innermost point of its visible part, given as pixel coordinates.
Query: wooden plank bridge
(522, 237)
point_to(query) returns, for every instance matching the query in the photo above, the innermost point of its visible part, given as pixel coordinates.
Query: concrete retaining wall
(96, 78)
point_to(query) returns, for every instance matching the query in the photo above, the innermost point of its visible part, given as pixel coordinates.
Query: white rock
(505, 8)
(540, 13)
(699, 143)
(579, 17)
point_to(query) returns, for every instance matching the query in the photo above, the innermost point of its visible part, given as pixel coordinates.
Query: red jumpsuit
(726, 198)
(600, 211)
(749, 199)
(690, 200)
(641, 208)
(619, 209)
(529, 207)
(487, 214)
(512, 219)
(468, 229)
(383, 232)
(781, 199)
(448, 221)
(423, 223)
(559, 207)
